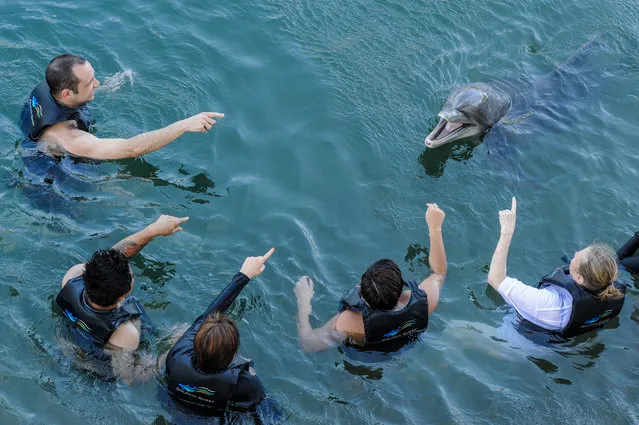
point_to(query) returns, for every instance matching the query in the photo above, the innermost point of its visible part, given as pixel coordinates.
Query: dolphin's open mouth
(445, 131)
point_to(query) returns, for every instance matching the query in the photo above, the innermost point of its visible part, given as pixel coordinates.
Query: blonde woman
(569, 301)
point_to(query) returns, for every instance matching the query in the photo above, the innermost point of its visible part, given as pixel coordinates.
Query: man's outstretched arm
(165, 225)
(84, 144)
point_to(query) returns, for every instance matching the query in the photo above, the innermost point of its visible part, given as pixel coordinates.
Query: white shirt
(549, 307)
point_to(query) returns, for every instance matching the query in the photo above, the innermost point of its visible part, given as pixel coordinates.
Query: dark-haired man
(96, 295)
(57, 118)
(384, 312)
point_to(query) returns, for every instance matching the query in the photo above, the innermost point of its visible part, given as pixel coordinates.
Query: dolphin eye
(467, 115)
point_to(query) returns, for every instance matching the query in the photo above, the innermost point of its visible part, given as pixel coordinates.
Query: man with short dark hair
(96, 295)
(57, 118)
(384, 312)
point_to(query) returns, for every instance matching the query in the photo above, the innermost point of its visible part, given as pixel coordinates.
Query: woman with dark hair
(628, 255)
(567, 302)
(203, 371)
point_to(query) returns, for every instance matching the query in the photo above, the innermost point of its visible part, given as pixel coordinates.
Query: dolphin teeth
(450, 128)
(438, 129)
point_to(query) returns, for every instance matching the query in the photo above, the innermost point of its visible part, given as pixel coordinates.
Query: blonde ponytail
(599, 270)
(610, 293)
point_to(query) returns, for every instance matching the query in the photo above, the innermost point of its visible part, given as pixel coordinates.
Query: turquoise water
(321, 155)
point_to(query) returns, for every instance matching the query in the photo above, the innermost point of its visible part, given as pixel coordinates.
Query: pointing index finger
(214, 114)
(513, 207)
(266, 256)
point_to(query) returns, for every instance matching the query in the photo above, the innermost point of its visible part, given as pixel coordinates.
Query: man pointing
(57, 118)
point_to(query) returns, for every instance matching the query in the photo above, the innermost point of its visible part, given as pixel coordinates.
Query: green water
(321, 155)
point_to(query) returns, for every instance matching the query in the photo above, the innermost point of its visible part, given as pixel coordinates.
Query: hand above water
(304, 292)
(508, 218)
(434, 217)
(166, 225)
(201, 122)
(253, 266)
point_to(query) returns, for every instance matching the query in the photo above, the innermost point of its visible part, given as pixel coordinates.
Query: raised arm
(507, 220)
(165, 225)
(313, 340)
(84, 144)
(433, 284)
(252, 267)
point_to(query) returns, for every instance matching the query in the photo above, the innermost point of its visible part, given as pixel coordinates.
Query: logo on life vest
(77, 321)
(598, 318)
(200, 390)
(37, 108)
(395, 332)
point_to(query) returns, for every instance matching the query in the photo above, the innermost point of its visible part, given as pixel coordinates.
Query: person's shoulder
(350, 322)
(62, 128)
(39, 91)
(557, 292)
(61, 138)
(126, 336)
(73, 272)
(248, 392)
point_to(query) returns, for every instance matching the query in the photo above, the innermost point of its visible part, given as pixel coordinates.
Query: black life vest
(208, 394)
(389, 330)
(98, 325)
(41, 111)
(588, 311)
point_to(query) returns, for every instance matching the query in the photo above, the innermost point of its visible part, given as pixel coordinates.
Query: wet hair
(60, 73)
(107, 277)
(382, 284)
(216, 343)
(599, 270)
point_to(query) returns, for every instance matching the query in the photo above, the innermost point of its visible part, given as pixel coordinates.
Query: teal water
(321, 155)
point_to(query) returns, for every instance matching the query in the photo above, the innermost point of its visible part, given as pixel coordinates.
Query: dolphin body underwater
(473, 109)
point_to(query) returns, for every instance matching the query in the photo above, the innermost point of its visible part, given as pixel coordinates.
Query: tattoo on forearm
(128, 248)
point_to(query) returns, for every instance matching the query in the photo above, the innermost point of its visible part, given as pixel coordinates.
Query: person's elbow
(494, 280)
(105, 149)
(441, 271)
(127, 149)
(116, 149)
(314, 342)
(133, 150)
(439, 266)
(307, 346)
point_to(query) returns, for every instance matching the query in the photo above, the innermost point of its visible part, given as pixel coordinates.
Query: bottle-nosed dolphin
(469, 111)
(474, 108)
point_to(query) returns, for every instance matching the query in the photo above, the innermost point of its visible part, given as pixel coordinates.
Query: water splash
(114, 82)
